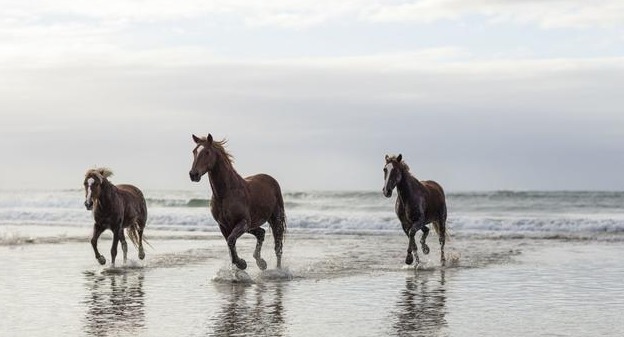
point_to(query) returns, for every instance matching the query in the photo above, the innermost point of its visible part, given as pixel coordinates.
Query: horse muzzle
(89, 205)
(194, 176)
(386, 193)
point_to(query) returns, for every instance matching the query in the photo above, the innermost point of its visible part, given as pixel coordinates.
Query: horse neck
(223, 178)
(404, 187)
(107, 194)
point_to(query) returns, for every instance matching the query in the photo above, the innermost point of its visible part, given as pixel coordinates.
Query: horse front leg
(114, 247)
(259, 234)
(412, 249)
(238, 230)
(97, 231)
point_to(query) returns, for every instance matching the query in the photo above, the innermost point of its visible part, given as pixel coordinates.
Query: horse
(418, 204)
(115, 207)
(239, 205)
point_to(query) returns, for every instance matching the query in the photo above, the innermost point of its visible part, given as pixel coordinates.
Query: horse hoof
(141, 255)
(409, 259)
(101, 259)
(261, 264)
(425, 249)
(241, 264)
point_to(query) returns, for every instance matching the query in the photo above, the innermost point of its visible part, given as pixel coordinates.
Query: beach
(346, 285)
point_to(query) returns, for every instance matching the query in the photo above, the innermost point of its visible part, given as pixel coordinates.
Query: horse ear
(196, 139)
(209, 139)
(399, 158)
(387, 157)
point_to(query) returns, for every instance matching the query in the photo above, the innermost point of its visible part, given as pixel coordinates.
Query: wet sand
(345, 285)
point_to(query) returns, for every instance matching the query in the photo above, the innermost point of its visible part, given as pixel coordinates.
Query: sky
(476, 94)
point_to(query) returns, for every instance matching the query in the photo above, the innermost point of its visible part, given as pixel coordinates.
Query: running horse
(115, 207)
(239, 205)
(418, 204)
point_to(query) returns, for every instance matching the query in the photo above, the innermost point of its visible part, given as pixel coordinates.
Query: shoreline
(28, 234)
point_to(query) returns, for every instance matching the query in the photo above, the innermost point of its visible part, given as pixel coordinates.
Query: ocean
(519, 263)
(512, 214)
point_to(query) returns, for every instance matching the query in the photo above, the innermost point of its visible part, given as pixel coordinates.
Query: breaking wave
(502, 213)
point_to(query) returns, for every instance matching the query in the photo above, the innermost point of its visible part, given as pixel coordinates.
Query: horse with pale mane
(115, 207)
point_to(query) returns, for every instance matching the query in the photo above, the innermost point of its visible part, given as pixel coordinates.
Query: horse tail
(278, 218)
(133, 235)
(440, 225)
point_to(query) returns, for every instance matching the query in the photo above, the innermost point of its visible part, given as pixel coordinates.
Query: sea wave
(507, 212)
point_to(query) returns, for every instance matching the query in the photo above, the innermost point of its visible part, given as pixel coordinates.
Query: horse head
(204, 157)
(93, 185)
(392, 174)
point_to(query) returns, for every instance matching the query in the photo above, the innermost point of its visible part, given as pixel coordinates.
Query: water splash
(232, 274)
(276, 275)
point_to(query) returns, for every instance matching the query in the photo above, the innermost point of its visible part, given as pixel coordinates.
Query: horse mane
(100, 172)
(401, 163)
(219, 145)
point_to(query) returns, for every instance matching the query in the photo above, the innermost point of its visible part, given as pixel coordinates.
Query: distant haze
(478, 95)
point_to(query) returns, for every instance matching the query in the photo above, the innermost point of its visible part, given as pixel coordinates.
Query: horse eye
(385, 170)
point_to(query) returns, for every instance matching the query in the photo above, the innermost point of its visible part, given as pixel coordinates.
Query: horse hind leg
(442, 238)
(259, 234)
(425, 248)
(140, 243)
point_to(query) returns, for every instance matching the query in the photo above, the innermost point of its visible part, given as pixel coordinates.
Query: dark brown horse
(115, 207)
(239, 205)
(418, 204)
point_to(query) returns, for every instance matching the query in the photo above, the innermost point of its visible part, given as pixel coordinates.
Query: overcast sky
(476, 94)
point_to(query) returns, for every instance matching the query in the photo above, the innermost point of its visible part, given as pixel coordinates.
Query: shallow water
(331, 285)
(573, 289)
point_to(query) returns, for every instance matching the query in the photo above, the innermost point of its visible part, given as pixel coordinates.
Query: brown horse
(418, 204)
(115, 207)
(239, 205)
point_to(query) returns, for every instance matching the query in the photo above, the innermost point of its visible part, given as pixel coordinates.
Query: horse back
(265, 196)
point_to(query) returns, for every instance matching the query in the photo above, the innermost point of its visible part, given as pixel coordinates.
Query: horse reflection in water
(250, 310)
(115, 304)
(421, 307)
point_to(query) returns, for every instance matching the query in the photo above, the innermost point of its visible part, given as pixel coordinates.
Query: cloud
(546, 14)
(306, 13)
